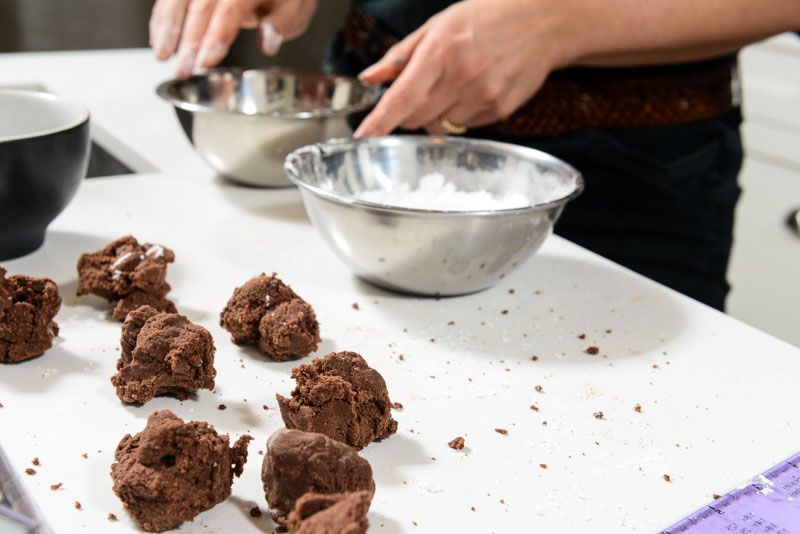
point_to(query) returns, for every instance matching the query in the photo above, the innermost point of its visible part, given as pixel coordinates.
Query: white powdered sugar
(119, 261)
(434, 192)
(156, 251)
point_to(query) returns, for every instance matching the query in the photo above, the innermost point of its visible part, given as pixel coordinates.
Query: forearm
(641, 32)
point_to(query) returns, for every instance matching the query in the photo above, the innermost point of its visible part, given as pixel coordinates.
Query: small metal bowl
(430, 252)
(245, 122)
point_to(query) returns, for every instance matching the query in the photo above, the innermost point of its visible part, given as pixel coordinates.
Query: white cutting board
(717, 409)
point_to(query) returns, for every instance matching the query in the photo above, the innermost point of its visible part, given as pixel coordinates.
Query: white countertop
(716, 395)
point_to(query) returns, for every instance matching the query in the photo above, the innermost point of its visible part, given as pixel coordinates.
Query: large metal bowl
(245, 122)
(430, 252)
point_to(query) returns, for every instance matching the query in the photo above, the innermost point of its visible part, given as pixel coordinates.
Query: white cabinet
(765, 266)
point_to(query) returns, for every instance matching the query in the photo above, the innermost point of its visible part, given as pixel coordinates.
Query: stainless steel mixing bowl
(430, 252)
(245, 122)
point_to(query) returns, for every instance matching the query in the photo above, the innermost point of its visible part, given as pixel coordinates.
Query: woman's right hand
(200, 32)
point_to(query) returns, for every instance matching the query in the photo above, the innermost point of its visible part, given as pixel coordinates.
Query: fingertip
(210, 54)
(361, 132)
(186, 61)
(369, 72)
(271, 39)
(162, 54)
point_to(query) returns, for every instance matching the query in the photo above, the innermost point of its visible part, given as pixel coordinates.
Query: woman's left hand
(473, 64)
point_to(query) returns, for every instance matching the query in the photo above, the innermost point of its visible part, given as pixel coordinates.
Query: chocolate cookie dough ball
(171, 471)
(162, 354)
(340, 513)
(266, 312)
(300, 462)
(128, 274)
(27, 308)
(339, 395)
(288, 330)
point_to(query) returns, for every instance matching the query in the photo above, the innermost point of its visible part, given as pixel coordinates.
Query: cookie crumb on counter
(716, 496)
(56, 487)
(78, 505)
(534, 408)
(592, 350)
(222, 407)
(538, 388)
(255, 511)
(502, 431)
(582, 336)
(599, 415)
(355, 306)
(397, 406)
(668, 478)
(535, 358)
(112, 517)
(543, 466)
(265, 407)
(637, 408)
(30, 471)
(504, 312)
(35, 461)
(456, 443)
(84, 456)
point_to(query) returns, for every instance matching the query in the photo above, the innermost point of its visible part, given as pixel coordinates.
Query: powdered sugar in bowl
(432, 215)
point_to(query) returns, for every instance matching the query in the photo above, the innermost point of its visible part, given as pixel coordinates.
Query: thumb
(269, 38)
(284, 21)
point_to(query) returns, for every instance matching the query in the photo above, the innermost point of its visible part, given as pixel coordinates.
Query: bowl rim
(374, 92)
(82, 110)
(338, 144)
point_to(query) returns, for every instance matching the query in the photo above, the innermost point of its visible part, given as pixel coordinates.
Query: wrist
(570, 30)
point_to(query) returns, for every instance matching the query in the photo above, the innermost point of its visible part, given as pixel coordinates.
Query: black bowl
(44, 150)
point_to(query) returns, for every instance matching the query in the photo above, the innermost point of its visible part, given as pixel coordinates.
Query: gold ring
(452, 128)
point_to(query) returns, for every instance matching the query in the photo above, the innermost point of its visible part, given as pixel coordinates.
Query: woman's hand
(200, 32)
(472, 64)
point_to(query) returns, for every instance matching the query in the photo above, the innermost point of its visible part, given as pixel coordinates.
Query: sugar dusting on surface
(434, 192)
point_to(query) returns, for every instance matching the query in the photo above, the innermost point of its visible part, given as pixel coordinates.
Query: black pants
(659, 200)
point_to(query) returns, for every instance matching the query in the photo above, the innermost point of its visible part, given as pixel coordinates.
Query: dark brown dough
(339, 513)
(162, 354)
(171, 471)
(128, 274)
(299, 462)
(27, 308)
(339, 395)
(266, 312)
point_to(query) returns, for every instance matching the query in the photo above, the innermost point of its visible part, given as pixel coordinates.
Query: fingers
(467, 113)
(405, 95)
(197, 21)
(228, 16)
(165, 25)
(442, 97)
(394, 61)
